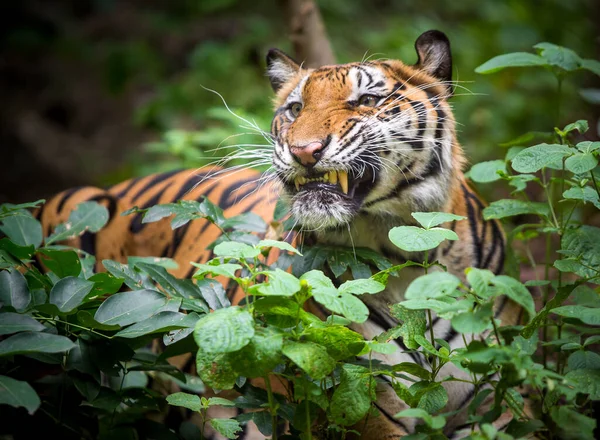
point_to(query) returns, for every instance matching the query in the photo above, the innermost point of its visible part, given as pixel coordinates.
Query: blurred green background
(95, 91)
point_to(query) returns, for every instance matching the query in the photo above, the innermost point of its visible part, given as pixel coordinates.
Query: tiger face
(370, 137)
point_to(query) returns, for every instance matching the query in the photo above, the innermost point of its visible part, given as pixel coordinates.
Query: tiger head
(370, 137)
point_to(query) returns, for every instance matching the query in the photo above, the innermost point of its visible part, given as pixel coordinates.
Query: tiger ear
(435, 58)
(280, 68)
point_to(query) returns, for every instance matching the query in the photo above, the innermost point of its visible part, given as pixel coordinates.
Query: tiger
(356, 148)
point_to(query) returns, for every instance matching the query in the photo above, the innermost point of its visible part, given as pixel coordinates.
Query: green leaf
(213, 293)
(248, 221)
(173, 286)
(261, 354)
(340, 342)
(133, 279)
(480, 279)
(511, 207)
(216, 370)
(474, 322)
(535, 158)
(63, 263)
(360, 286)
(25, 343)
(515, 59)
(23, 230)
(88, 216)
(219, 401)
(588, 146)
(485, 172)
(189, 401)
(430, 219)
(68, 293)
(128, 307)
(516, 291)
(226, 269)
(581, 126)
(581, 163)
(280, 283)
(591, 65)
(586, 381)
(17, 394)
(587, 315)
(236, 250)
(310, 357)
(20, 252)
(432, 285)
(539, 319)
(414, 239)
(224, 330)
(352, 398)
(583, 243)
(14, 323)
(566, 419)
(414, 323)
(586, 194)
(226, 427)
(583, 359)
(414, 369)
(559, 56)
(160, 323)
(434, 398)
(164, 262)
(13, 290)
(278, 244)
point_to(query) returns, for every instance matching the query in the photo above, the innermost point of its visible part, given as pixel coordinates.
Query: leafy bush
(74, 351)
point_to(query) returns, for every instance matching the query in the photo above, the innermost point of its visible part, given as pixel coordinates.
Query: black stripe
(473, 226)
(392, 419)
(228, 197)
(136, 224)
(125, 190)
(65, 197)
(155, 180)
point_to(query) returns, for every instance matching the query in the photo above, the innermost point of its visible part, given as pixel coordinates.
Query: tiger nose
(309, 154)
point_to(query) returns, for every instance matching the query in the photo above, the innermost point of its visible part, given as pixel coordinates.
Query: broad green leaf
(23, 230)
(14, 323)
(587, 315)
(515, 59)
(279, 283)
(474, 322)
(583, 359)
(310, 357)
(535, 158)
(216, 370)
(17, 394)
(164, 262)
(587, 147)
(226, 427)
(434, 422)
(26, 343)
(433, 399)
(479, 279)
(213, 293)
(559, 56)
(159, 323)
(105, 283)
(68, 293)
(236, 250)
(277, 244)
(432, 285)
(485, 172)
(224, 330)
(586, 194)
(89, 388)
(86, 319)
(431, 219)
(352, 398)
(261, 354)
(189, 401)
(511, 207)
(88, 216)
(414, 369)
(581, 163)
(414, 323)
(326, 294)
(566, 419)
(128, 307)
(226, 269)
(219, 401)
(516, 291)
(20, 252)
(586, 381)
(591, 65)
(583, 243)
(360, 286)
(414, 239)
(279, 311)
(13, 290)
(133, 279)
(62, 262)
(339, 341)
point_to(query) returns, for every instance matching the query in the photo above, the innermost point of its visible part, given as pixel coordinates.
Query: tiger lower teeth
(334, 177)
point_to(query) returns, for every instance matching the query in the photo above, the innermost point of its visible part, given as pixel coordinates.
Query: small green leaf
(88, 216)
(133, 279)
(591, 65)
(224, 330)
(414, 239)
(23, 230)
(226, 427)
(511, 207)
(588, 146)
(535, 158)
(25, 343)
(62, 262)
(278, 244)
(261, 354)
(515, 59)
(583, 359)
(340, 342)
(219, 401)
(434, 398)
(189, 401)
(14, 323)
(581, 126)
(128, 307)
(516, 291)
(479, 279)
(413, 323)
(216, 370)
(68, 293)
(280, 283)
(352, 398)
(310, 357)
(160, 323)
(17, 394)
(226, 269)
(236, 250)
(586, 194)
(587, 315)
(360, 286)
(485, 172)
(583, 243)
(13, 290)
(581, 163)
(431, 219)
(559, 56)
(586, 381)
(432, 285)
(474, 322)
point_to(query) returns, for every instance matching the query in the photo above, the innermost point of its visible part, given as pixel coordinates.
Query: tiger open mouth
(341, 182)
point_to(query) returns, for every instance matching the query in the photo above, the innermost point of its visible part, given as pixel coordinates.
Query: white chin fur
(317, 210)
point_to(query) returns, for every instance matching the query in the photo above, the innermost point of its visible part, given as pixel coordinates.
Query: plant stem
(40, 318)
(272, 408)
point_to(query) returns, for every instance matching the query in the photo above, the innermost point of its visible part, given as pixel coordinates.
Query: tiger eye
(368, 100)
(295, 109)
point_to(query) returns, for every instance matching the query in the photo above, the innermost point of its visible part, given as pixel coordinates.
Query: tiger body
(356, 149)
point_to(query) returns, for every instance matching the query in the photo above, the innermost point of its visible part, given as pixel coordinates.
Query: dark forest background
(96, 91)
